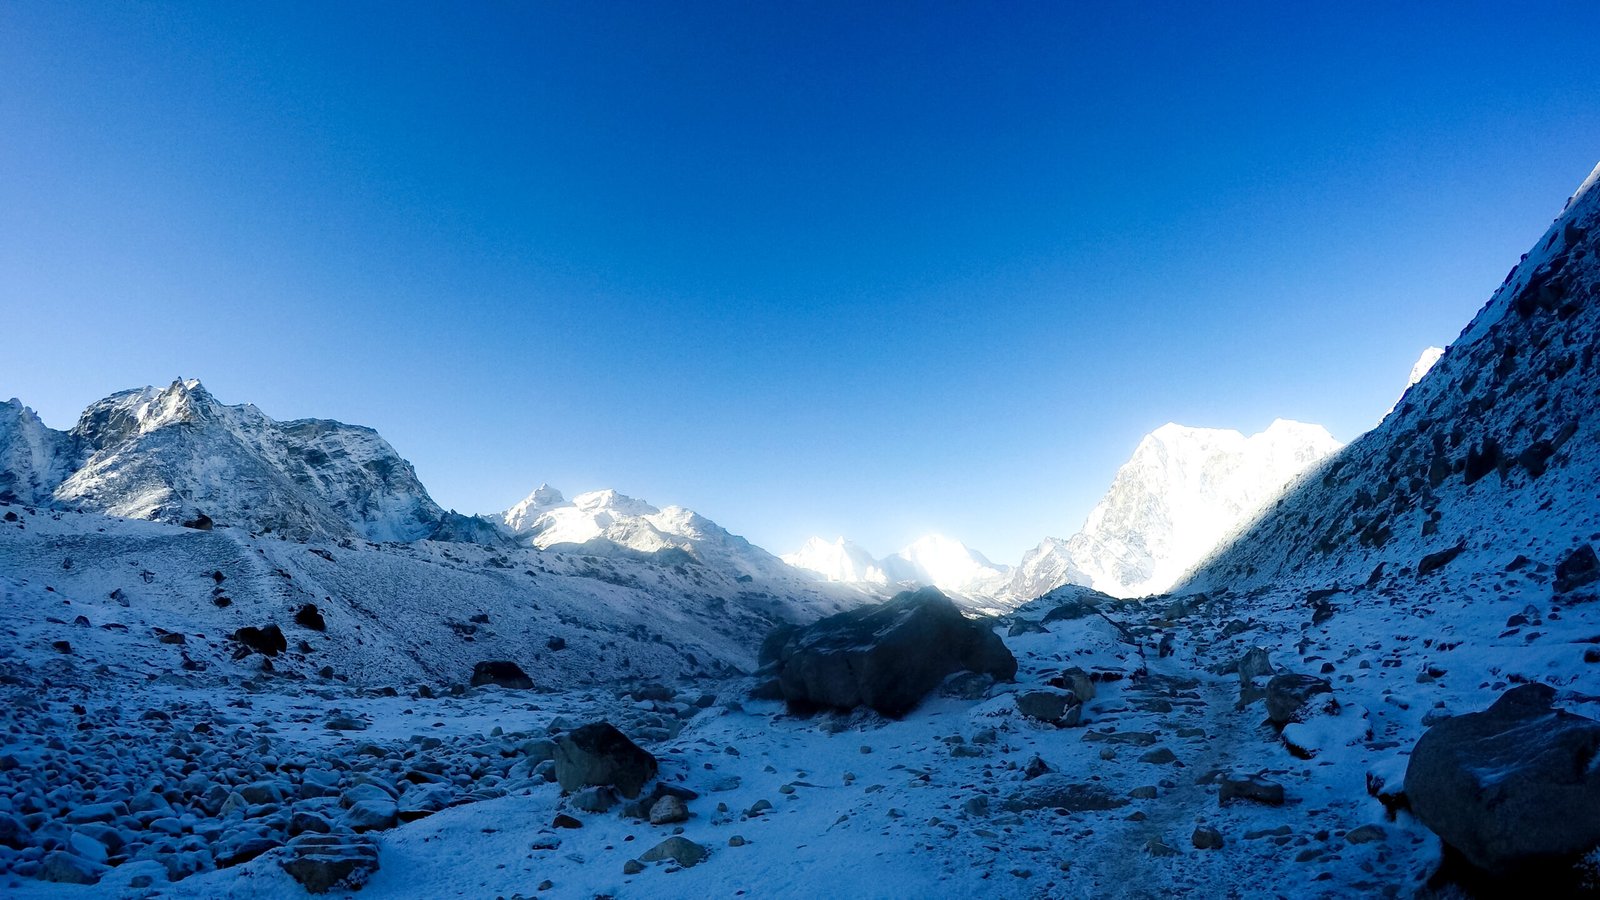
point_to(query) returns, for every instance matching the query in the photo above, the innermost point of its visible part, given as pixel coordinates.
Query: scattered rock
(1365, 834)
(309, 617)
(680, 850)
(1205, 838)
(1248, 787)
(267, 640)
(668, 810)
(1056, 707)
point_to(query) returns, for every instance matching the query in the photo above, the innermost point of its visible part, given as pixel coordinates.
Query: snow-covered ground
(932, 805)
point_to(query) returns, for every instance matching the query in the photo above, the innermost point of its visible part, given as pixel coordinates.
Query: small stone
(632, 867)
(1249, 787)
(668, 810)
(1366, 834)
(1206, 838)
(679, 849)
(1160, 756)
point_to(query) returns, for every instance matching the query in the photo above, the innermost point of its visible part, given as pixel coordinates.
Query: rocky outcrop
(887, 656)
(1513, 787)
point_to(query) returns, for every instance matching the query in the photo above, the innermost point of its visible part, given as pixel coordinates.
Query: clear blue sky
(872, 269)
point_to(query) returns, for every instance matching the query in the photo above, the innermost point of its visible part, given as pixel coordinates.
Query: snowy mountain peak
(948, 564)
(1424, 363)
(1181, 492)
(177, 454)
(837, 560)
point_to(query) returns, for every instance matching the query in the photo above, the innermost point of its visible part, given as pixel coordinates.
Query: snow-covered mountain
(607, 522)
(177, 455)
(947, 564)
(1491, 456)
(838, 560)
(932, 560)
(34, 459)
(1183, 490)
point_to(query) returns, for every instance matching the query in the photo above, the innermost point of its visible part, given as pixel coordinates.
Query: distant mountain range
(1169, 505)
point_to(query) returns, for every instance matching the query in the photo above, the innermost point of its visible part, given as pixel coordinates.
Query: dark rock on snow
(1289, 695)
(887, 656)
(324, 862)
(1512, 787)
(600, 755)
(267, 640)
(1580, 568)
(501, 672)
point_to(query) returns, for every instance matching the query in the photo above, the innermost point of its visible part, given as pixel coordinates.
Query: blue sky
(871, 269)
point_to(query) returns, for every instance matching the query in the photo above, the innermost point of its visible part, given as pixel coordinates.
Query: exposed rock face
(887, 656)
(1512, 787)
(166, 454)
(501, 672)
(599, 754)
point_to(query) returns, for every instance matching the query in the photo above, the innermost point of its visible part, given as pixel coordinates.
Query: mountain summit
(1183, 490)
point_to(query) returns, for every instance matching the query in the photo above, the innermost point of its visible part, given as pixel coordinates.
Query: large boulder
(887, 656)
(1512, 788)
(600, 755)
(501, 672)
(1292, 697)
(326, 862)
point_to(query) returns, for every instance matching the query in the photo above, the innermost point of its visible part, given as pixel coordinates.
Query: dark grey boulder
(1512, 788)
(501, 672)
(325, 862)
(62, 867)
(267, 640)
(680, 850)
(1248, 787)
(598, 755)
(1055, 707)
(1579, 569)
(1290, 697)
(887, 656)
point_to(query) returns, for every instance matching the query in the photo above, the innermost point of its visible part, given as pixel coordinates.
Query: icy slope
(1492, 455)
(176, 454)
(1183, 490)
(604, 522)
